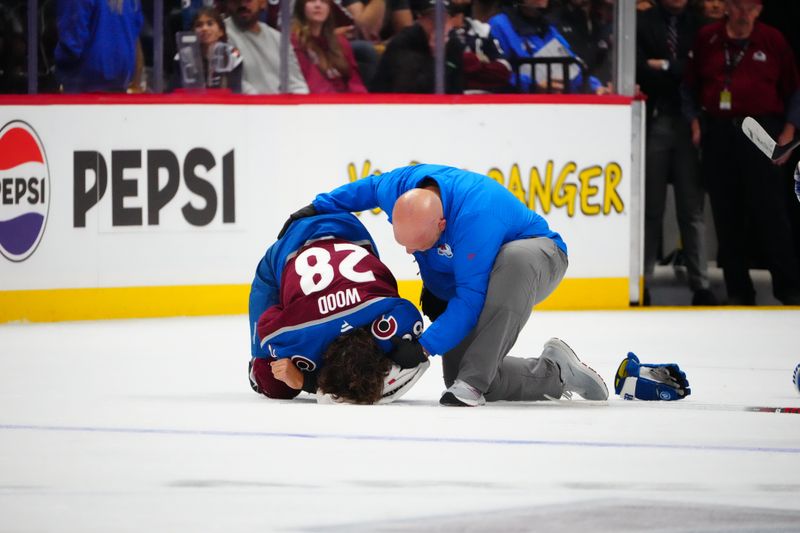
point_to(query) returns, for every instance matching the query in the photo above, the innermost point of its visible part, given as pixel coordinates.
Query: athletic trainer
(485, 261)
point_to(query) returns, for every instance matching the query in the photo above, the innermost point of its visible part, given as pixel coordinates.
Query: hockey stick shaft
(678, 405)
(788, 410)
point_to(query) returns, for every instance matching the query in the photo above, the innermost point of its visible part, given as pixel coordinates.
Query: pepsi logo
(24, 191)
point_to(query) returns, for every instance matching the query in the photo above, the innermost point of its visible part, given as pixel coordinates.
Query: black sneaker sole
(449, 399)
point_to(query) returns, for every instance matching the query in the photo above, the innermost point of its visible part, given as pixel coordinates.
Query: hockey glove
(307, 211)
(407, 353)
(432, 306)
(635, 380)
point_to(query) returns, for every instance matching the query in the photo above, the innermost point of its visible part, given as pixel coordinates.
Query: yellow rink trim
(572, 294)
(195, 300)
(123, 302)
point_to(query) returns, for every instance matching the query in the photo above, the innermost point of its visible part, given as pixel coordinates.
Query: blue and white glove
(635, 380)
(797, 181)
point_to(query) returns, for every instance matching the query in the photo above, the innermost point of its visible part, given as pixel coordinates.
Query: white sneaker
(462, 394)
(576, 376)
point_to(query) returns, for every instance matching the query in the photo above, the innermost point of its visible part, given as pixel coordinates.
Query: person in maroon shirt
(741, 67)
(325, 56)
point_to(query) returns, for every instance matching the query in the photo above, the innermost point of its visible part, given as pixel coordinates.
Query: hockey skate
(576, 376)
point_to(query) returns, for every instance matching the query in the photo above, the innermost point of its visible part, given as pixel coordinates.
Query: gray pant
(671, 154)
(525, 273)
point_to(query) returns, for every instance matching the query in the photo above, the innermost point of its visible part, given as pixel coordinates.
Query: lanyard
(732, 62)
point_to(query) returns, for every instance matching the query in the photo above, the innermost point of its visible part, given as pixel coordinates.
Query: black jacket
(588, 38)
(662, 87)
(407, 65)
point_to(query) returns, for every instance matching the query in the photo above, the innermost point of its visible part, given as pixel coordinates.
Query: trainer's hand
(303, 212)
(284, 370)
(407, 353)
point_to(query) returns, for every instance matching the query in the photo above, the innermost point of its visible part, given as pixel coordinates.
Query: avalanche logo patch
(445, 250)
(384, 328)
(24, 191)
(304, 363)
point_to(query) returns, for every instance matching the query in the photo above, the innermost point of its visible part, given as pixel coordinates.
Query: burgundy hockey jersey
(328, 287)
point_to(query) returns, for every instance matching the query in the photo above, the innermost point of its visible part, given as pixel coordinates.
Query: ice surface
(150, 425)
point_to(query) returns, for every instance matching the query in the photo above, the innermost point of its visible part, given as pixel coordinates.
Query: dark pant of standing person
(671, 154)
(745, 187)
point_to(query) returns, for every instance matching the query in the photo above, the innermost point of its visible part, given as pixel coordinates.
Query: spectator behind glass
(408, 66)
(222, 62)
(664, 37)
(379, 20)
(13, 55)
(588, 37)
(741, 67)
(97, 44)
(260, 47)
(524, 31)
(485, 66)
(713, 10)
(325, 57)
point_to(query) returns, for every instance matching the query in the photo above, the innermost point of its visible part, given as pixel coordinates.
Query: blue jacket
(481, 216)
(518, 40)
(96, 48)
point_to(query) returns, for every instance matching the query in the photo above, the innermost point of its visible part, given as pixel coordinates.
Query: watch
(665, 64)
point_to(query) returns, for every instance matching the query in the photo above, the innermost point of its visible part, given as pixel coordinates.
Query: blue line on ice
(394, 438)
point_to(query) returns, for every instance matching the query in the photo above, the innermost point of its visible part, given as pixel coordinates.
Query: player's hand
(650, 381)
(786, 136)
(284, 370)
(303, 212)
(407, 353)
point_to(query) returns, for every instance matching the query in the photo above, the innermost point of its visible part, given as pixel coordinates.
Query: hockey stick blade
(764, 142)
(789, 410)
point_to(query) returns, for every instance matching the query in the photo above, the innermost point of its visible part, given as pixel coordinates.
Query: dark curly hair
(354, 368)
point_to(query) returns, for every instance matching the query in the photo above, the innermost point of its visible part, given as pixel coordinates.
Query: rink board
(158, 207)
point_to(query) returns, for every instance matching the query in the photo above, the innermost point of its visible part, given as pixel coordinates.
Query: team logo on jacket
(24, 191)
(384, 328)
(304, 363)
(759, 56)
(445, 250)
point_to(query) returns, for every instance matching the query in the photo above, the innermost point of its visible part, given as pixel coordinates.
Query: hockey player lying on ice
(325, 317)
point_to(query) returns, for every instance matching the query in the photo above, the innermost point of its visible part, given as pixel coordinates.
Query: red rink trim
(226, 98)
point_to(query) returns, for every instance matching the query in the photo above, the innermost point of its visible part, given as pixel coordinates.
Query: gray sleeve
(297, 83)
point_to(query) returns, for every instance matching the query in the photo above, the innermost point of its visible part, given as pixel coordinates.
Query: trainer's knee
(266, 383)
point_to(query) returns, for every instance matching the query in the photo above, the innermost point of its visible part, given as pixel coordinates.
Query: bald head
(417, 219)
